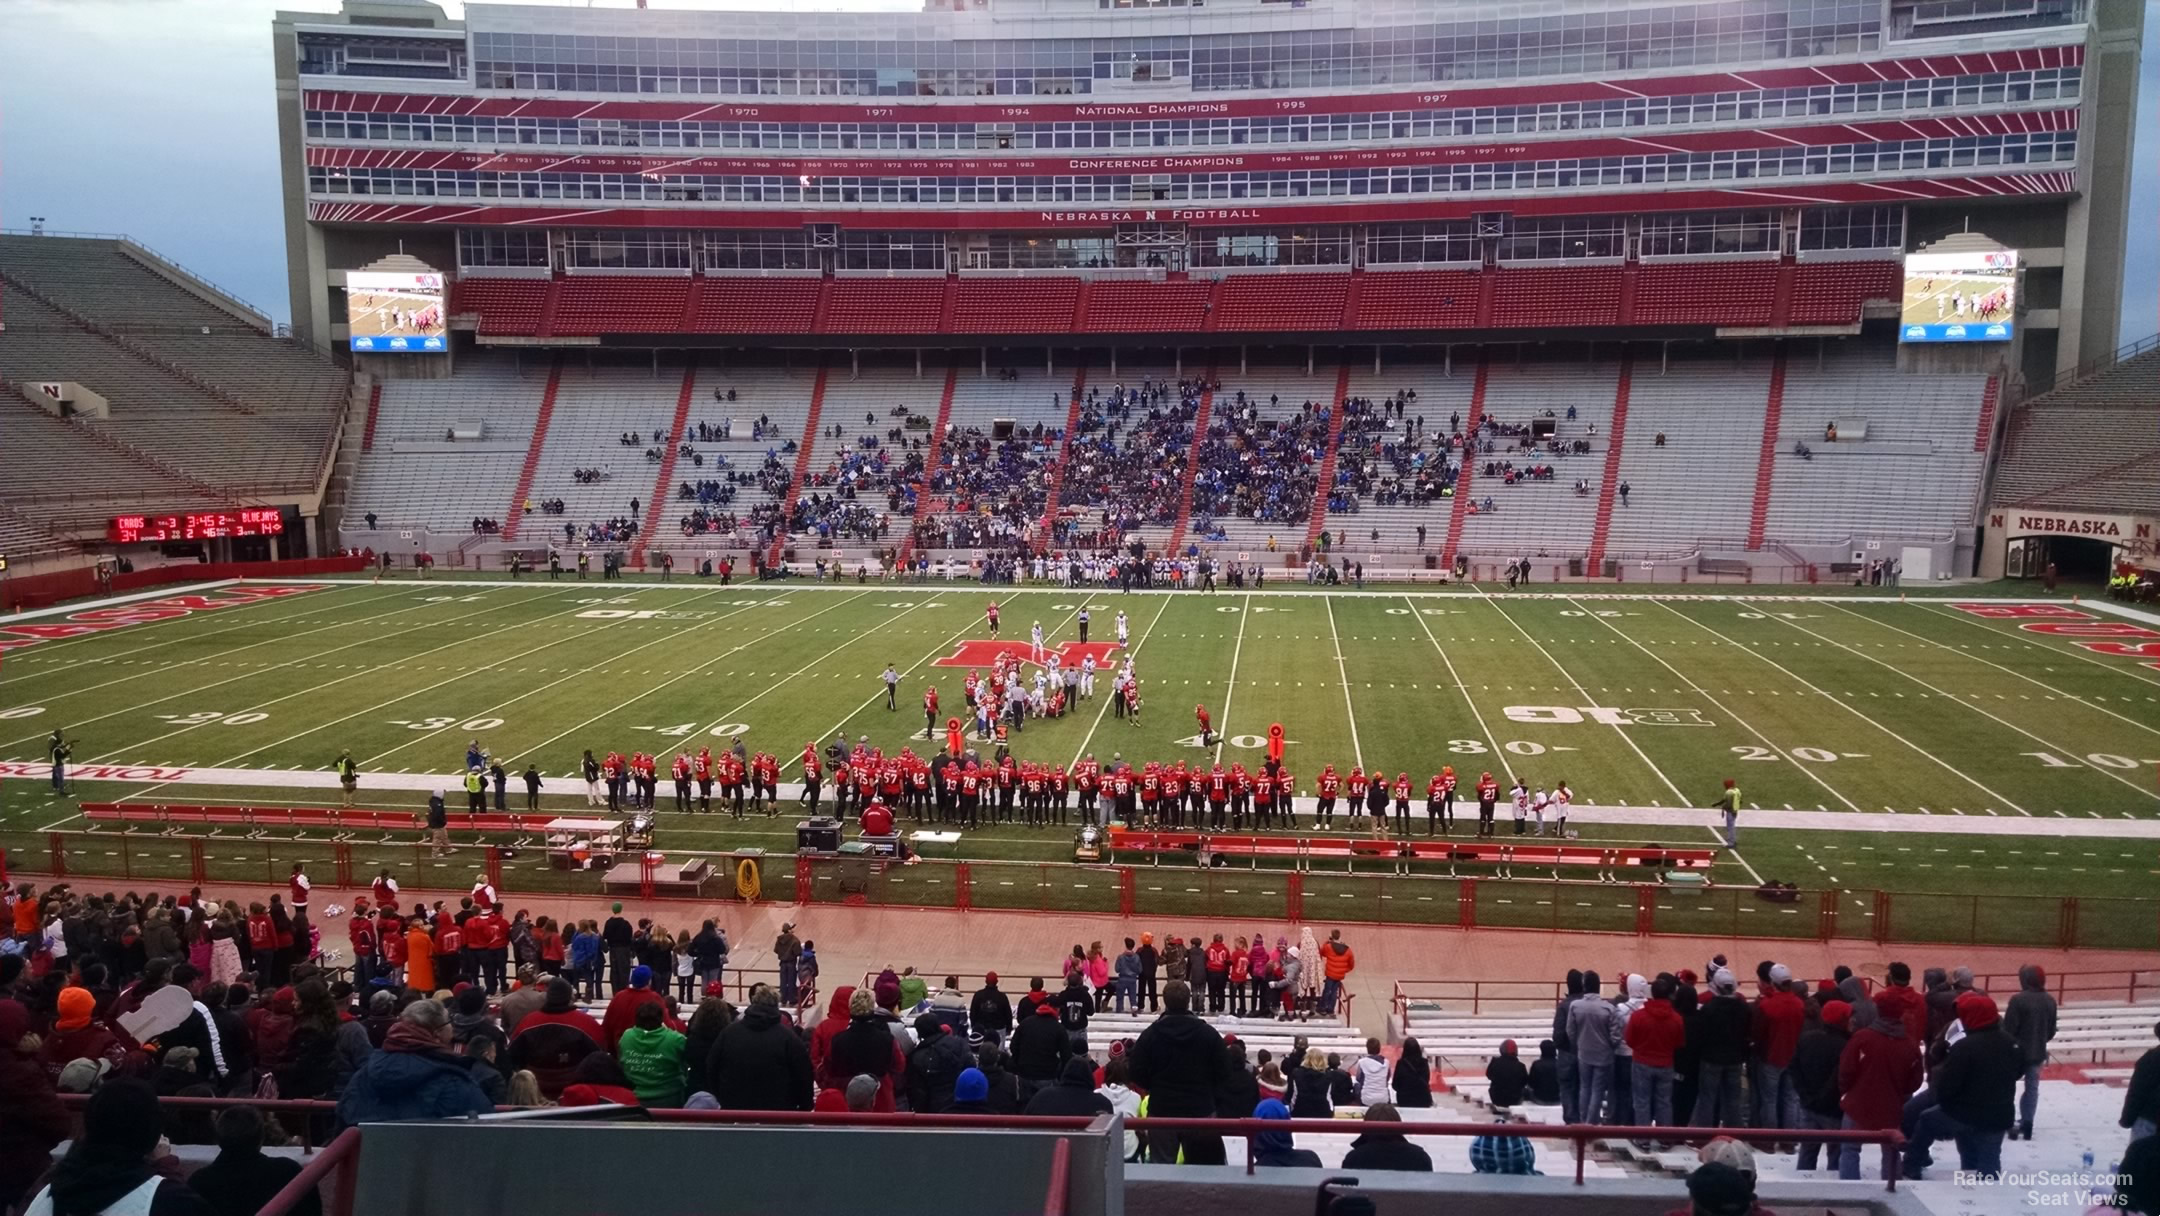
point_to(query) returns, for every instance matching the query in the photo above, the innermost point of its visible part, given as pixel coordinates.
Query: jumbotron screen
(1959, 297)
(207, 525)
(396, 314)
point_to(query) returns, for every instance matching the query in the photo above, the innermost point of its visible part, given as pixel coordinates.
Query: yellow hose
(746, 880)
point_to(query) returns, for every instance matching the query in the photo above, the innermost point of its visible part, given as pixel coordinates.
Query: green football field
(1973, 756)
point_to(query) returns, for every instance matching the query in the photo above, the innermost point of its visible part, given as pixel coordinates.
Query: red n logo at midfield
(984, 654)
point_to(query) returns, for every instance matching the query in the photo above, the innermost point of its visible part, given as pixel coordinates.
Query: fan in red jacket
(553, 1040)
(622, 1008)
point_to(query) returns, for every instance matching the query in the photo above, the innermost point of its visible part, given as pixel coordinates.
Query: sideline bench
(175, 817)
(1503, 854)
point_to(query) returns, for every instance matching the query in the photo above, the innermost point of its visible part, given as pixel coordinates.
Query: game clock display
(208, 525)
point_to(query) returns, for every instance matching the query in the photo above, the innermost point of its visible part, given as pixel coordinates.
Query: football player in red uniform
(1488, 793)
(1402, 804)
(1330, 785)
(1218, 796)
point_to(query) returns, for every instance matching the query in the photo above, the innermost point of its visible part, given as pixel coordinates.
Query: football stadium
(1137, 605)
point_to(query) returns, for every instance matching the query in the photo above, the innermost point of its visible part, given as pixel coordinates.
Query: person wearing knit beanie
(75, 1007)
(1974, 1090)
(971, 1093)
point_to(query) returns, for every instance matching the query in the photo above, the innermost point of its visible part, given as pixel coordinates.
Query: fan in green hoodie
(652, 1058)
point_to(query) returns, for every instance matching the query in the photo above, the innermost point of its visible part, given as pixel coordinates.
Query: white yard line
(1743, 723)
(1854, 710)
(1222, 736)
(1960, 701)
(406, 695)
(369, 641)
(1455, 679)
(2041, 684)
(220, 655)
(1679, 798)
(306, 607)
(583, 671)
(1987, 626)
(1343, 670)
(782, 681)
(1105, 707)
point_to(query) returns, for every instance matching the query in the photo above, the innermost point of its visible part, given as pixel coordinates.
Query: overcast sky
(157, 119)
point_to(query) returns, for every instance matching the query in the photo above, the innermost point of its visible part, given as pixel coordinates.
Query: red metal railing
(1052, 978)
(343, 1156)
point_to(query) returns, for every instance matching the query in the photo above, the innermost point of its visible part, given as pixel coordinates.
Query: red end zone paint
(118, 616)
(2062, 621)
(986, 653)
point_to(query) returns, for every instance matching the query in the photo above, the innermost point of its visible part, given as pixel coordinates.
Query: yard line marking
(264, 669)
(2086, 701)
(1975, 708)
(1846, 705)
(407, 695)
(787, 628)
(1349, 707)
(2131, 670)
(268, 668)
(1244, 611)
(1105, 708)
(1681, 798)
(223, 615)
(1705, 693)
(1456, 680)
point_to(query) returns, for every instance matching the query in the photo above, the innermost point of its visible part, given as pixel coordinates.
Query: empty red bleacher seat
(620, 304)
(885, 306)
(1706, 293)
(506, 306)
(781, 304)
(1557, 296)
(1831, 293)
(1418, 299)
(1014, 306)
(1281, 301)
(1126, 306)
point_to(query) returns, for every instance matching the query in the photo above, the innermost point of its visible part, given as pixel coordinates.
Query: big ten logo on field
(1566, 715)
(2120, 639)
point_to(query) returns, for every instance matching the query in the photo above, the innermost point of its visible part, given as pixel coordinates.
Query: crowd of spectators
(1128, 459)
(988, 491)
(1259, 467)
(484, 526)
(1388, 457)
(1941, 1061)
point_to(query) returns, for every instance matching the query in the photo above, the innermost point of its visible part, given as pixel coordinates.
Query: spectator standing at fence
(620, 940)
(1655, 1033)
(2030, 1021)
(1814, 1075)
(1879, 1070)
(1336, 964)
(787, 953)
(1780, 1016)
(1180, 1062)
(1720, 1036)
(1590, 1029)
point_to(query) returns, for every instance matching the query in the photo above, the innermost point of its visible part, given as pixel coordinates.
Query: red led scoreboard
(208, 525)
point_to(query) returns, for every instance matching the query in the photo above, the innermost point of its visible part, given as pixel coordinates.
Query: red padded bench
(1491, 851)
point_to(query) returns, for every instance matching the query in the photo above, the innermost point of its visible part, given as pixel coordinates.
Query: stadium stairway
(1459, 511)
(1608, 487)
(1984, 429)
(802, 461)
(518, 497)
(657, 505)
(1192, 461)
(1057, 471)
(374, 411)
(1326, 485)
(1766, 461)
(931, 459)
